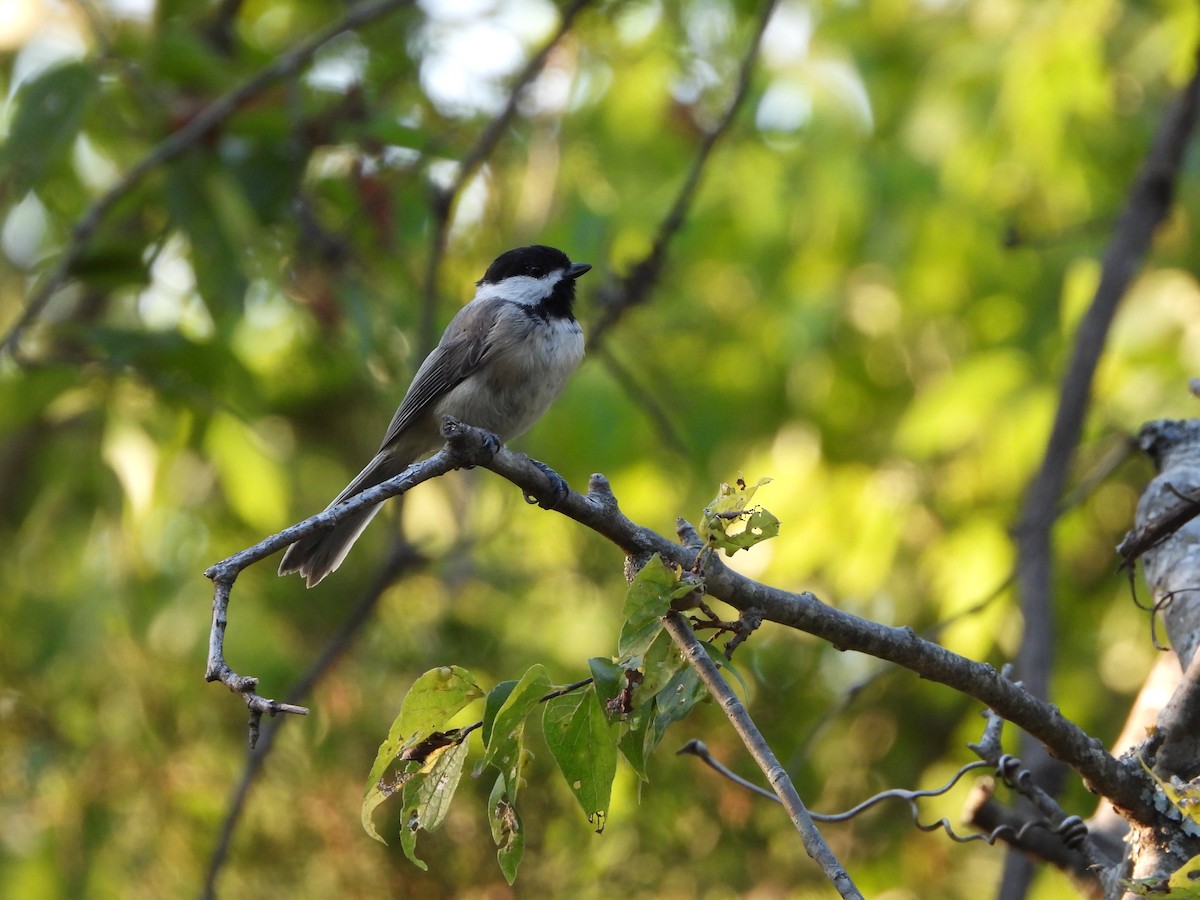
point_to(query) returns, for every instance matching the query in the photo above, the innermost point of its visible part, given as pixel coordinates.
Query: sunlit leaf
(435, 698)
(729, 509)
(432, 701)
(661, 663)
(1184, 797)
(646, 602)
(492, 704)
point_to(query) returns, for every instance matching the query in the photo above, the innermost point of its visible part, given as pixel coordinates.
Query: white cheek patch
(522, 289)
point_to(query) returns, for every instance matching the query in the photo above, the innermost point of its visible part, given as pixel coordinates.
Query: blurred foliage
(871, 303)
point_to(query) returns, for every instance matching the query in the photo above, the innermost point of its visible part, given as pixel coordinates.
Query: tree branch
(462, 450)
(598, 510)
(1121, 782)
(402, 558)
(693, 651)
(1148, 204)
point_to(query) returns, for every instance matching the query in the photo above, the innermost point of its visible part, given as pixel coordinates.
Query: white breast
(521, 376)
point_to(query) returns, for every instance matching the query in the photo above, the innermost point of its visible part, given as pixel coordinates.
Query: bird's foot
(558, 488)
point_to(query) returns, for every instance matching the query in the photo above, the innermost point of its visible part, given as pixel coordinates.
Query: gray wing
(460, 352)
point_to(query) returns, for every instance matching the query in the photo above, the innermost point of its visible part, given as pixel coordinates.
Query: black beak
(578, 269)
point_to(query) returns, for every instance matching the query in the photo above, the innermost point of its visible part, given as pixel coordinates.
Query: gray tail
(316, 556)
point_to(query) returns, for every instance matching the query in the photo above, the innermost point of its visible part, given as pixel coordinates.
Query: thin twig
(693, 651)
(910, 796)
(1121, 782)
(633, 289)
(176, 143)
(455, 455)
(1149, 203)
(1016, 776)
(401, 559)
(657, 414)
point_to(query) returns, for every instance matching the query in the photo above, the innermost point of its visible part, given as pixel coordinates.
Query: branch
(1024, 831)
(1148, 204)
(1177, 734)
(462, 450)
(1165, 530)
(175, 144)
(694, 652)
(1070, 829)
(402, 557)
(467, 446)
(1015, 830)
(598, 510)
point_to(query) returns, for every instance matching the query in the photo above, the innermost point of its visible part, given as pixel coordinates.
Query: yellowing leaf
(730, 508)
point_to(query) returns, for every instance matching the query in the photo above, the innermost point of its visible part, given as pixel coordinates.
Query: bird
(500, 363)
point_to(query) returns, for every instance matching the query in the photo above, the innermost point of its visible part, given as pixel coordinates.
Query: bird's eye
(536, 273)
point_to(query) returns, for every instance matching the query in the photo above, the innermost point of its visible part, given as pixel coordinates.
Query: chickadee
(499, 365)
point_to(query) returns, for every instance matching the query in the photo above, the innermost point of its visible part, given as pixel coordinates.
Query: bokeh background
(871, 300)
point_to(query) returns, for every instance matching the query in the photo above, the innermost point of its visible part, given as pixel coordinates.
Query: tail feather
(318, 555)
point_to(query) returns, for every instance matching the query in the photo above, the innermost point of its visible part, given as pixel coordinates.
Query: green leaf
(374, 793)
(435, 698)
(661, 663)
(504, 744)
(582, 742)
(427, 796)
(646, 602)
(182, 57)
(608, 678)
(49, 113)
(435, 790)
(632, 743)
(216, 251)
(728, 508)
(507, 830)
(269, 169)
(408, 843)
(110, 262)
(491, 705)
(1185, 881)
(675, 701)
(760, 526)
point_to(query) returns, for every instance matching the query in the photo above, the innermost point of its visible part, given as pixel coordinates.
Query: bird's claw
(557, 493)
